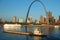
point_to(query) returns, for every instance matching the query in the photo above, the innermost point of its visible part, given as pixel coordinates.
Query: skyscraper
(14, 19)
(49, 18)
(49, 14)
(42, 19)
(29, 20)
(20, 20)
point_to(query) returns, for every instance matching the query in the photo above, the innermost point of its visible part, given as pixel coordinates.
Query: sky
(19, 8)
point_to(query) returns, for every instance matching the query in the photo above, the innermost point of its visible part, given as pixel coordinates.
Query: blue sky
(18, 8)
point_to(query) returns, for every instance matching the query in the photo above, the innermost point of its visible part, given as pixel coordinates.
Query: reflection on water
(53, 33)
(56, 32)
(37, 38)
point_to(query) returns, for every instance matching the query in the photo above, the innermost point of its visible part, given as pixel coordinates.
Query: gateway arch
(30, 7)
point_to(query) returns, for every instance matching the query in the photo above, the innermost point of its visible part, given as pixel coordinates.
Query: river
(52, 33)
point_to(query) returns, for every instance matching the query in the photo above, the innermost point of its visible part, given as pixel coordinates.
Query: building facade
(50, 19)
(20, 20)
(29, 20)
(42, 19)
(14, 19)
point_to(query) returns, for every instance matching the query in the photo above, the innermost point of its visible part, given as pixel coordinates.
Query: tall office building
(20, 20)
(49, 18)
(42, 19)
(29, 20)
(14, 19)
(49, 14)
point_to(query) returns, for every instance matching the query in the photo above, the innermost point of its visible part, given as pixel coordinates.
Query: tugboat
(36, 31)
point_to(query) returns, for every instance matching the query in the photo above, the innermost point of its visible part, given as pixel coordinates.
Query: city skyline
(18, 8)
